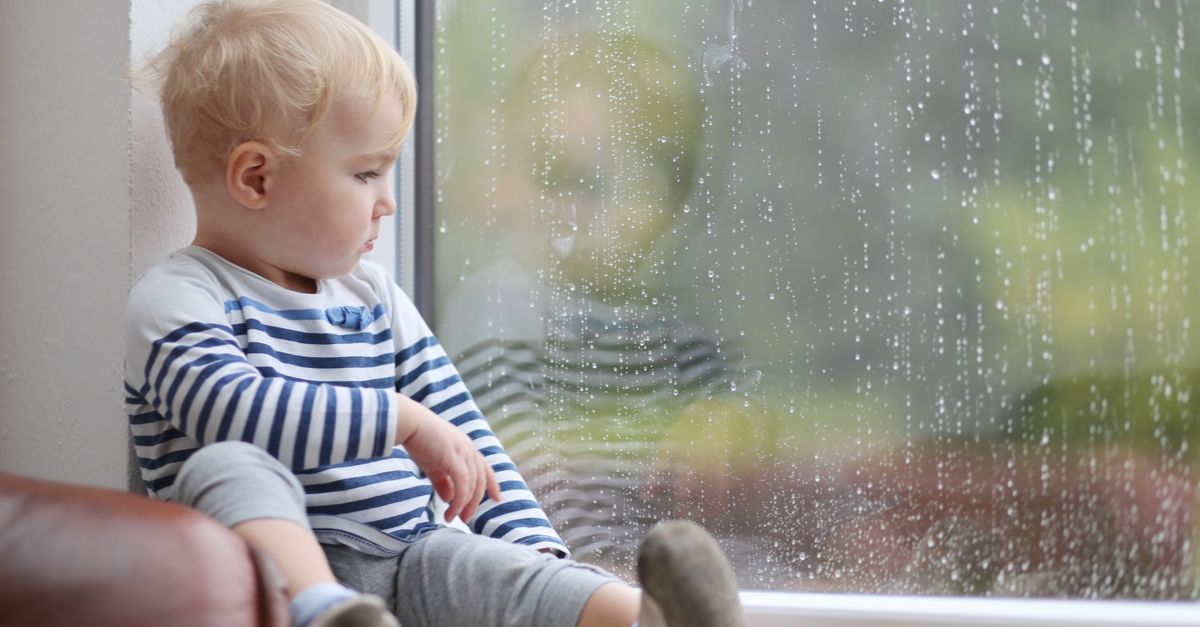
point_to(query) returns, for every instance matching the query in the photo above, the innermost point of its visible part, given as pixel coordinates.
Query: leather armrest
(78, 555)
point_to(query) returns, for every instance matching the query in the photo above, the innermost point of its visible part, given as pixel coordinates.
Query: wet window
(893, 297)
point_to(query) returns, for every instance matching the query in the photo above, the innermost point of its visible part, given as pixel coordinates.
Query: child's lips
(369, 246)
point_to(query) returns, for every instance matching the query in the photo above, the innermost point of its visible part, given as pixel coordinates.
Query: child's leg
(686, 582)
(373, 574)
(611, 604)
(686, 579)
(449, 577)
(293, 548)
(256, 496)
(453, 578)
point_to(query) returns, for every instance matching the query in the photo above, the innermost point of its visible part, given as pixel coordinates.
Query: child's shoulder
(192, 282)
(183, 268)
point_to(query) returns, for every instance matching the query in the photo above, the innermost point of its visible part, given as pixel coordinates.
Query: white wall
(161, 216)
(89, 199)
(64, 238)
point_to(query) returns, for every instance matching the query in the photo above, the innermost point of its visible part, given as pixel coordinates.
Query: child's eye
(363, 177)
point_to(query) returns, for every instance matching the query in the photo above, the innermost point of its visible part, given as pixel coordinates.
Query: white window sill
(779, 609)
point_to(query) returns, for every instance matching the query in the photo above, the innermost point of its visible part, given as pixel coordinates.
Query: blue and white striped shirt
(215, 352)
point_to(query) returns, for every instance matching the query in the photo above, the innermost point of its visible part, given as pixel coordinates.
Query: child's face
(325, 210)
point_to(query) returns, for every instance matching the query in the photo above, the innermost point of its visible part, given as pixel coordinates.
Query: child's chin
(349, 266)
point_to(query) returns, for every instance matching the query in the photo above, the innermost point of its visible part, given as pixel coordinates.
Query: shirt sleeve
(424, 373)
(183, 359)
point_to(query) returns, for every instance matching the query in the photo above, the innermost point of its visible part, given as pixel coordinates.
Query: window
(892, 297)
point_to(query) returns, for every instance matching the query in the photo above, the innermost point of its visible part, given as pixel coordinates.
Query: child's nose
(386, 205)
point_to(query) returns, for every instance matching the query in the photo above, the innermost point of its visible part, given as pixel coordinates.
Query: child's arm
(425, 375)
(458, 472)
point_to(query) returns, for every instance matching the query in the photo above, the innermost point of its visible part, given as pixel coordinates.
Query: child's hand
(459, 473)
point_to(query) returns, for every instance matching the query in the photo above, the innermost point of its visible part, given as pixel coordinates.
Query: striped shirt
(215, 352)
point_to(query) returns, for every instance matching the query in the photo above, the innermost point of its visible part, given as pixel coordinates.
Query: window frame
(412, 24)
(414, 169)
(787, 609)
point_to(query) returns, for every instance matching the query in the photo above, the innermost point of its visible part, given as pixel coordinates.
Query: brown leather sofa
(77, 555)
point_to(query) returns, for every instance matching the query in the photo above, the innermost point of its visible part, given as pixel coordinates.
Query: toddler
(283, 385)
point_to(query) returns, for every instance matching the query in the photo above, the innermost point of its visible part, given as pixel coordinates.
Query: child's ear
(250, 166)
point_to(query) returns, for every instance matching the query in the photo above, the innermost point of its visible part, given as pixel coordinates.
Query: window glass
(892, 297)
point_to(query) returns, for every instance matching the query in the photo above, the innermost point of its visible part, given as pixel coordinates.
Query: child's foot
(334, 605)
(364, 610)
(686, 581)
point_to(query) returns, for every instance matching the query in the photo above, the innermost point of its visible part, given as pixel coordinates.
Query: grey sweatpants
(444, 577)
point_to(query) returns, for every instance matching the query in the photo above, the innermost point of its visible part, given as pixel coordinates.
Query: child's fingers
(454, 511)
(477, 489)
(460, 484)
(463, 487)
(467, 506)
(442, 485)
(493, 484)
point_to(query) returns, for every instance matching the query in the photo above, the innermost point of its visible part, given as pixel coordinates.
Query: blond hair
(269, 71)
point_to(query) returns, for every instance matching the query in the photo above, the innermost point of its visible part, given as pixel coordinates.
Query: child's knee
(231, 464)
(223, 454)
